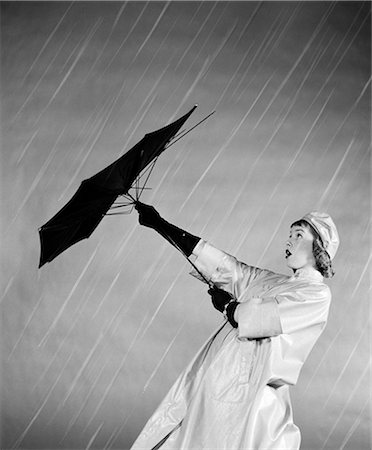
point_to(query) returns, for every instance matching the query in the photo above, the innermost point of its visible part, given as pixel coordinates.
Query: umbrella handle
(209, 282)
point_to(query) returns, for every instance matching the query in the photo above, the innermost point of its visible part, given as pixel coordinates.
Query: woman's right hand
(147, 215)
(220, 298)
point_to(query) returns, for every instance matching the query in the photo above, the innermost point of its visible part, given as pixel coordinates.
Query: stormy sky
(92, 341)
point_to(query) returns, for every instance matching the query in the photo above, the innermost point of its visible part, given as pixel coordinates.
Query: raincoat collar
(307, 273)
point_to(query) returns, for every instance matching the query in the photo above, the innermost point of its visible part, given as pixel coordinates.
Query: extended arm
(186, 242)
(149, 217)
(230, 270)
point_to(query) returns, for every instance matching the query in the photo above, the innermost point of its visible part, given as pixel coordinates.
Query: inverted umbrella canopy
(81, 215)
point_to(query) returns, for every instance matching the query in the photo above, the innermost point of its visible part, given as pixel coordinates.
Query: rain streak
(94, 339)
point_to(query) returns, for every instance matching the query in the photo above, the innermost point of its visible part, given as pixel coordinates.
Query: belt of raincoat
(235, 392)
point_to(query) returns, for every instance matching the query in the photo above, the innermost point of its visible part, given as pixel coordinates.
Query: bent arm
(258, 318)
(291, 312)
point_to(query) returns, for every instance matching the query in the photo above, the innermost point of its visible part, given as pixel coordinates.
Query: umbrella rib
(172, 141)
(121, 205)
(144, 187)
(209, 282)
(136, 185)
(119, 213)
(178, 134)
(175, 139)
(136, 181)
(147, 178)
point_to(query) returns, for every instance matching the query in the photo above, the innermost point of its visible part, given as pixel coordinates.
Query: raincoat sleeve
(224, 270)
(303, 308)
(258, 318)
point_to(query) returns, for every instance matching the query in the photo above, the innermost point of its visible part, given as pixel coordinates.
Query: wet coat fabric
(235, 393)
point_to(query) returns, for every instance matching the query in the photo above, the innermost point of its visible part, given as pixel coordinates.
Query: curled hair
(323, 261)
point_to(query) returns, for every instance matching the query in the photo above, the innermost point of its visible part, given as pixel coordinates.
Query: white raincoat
(234, 394)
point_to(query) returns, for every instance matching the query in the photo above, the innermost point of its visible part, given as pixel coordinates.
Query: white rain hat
(326, 228)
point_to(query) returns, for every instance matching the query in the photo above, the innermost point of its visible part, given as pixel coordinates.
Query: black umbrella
(81, 215)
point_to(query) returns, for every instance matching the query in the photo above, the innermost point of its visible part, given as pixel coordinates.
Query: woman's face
(299, 248)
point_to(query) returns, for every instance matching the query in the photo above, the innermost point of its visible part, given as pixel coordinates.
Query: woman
(234, 394)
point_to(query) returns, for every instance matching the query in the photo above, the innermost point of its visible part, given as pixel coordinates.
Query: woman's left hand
(147, 215)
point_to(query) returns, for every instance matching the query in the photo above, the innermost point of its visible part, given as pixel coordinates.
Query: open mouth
(287, 253)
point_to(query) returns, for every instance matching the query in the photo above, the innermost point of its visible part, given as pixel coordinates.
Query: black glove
(220, 298)
(230, 313)
(147, 215)
(223, 302)
(181, 239)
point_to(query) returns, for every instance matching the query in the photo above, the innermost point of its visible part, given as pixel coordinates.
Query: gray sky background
(93, 340)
